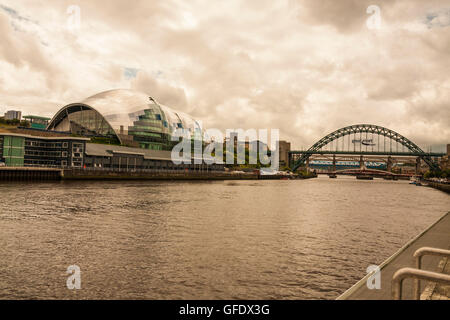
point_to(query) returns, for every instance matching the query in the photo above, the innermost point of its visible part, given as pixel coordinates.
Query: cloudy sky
(307, 67)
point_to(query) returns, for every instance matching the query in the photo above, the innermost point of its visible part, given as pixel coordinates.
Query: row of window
(51, 154)
(62, 163)
(161, 167)
(63, 145)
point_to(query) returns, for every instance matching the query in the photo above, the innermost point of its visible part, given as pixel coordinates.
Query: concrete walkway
(437, 291)
(437, 236)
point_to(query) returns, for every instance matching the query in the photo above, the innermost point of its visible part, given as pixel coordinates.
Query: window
(65, 145)
(76, 164)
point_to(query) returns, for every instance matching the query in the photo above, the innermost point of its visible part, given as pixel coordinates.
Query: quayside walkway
(28, 173)
(435, 236)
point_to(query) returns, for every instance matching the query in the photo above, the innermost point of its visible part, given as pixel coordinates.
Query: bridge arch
(364, 128)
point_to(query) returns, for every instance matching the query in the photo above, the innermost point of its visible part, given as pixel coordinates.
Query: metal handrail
(402, 274)
(426, 251)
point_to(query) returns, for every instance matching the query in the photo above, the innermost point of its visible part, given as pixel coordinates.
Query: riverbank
(38, 174)
(440, 186)
(82, 174)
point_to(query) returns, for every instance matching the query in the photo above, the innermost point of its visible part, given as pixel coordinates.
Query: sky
(305, 67)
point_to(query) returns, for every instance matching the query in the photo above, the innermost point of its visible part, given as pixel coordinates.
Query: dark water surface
(308, 239)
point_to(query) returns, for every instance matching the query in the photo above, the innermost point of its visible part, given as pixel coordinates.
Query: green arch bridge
(340, 142)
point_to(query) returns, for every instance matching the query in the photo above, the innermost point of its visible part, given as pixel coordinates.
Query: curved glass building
(124, 117)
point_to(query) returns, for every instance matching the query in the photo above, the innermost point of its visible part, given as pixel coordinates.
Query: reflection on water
(297, 239)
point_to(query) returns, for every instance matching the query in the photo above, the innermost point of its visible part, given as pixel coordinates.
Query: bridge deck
(438, 236)
(367, 152)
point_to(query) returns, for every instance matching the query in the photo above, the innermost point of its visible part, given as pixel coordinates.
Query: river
(270, 239)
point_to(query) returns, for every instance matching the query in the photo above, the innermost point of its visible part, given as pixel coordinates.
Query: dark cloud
(306, 67)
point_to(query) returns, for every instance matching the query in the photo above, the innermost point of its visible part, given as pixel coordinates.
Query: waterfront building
(30, 148)
(20, 150)
(124, 117)
(116, 129)
(13, 115)
(128, 158)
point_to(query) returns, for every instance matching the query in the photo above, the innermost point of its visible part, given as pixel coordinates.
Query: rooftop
(34, 132)
(36, 117)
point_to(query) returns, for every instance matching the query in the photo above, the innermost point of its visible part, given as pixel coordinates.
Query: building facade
(444, 162)
(125, 117)
(284, 147)
(116, 129)
(127, 158)
(21, 150)
(13, 115)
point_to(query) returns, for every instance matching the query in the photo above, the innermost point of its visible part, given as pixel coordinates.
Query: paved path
(438, 236)
(437, 291)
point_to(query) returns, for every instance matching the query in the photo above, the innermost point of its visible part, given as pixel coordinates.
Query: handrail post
(400, 275)
(418, 256)
(417, 281)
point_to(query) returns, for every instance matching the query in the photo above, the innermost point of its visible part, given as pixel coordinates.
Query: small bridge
(365, 140)
(369, 172)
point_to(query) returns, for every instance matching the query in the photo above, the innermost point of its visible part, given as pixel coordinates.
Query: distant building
(445, 160)
(284, 148)
(234, 138)
(13, 115)
(37, 122)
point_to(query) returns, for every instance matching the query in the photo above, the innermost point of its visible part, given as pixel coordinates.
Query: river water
(298, 239)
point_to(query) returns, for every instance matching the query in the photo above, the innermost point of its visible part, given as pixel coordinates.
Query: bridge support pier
(361, 162)
(418, 164)
(307, 165)
(389, 164)
(334, 163)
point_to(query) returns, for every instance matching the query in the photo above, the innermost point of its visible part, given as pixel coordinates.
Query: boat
(364, 177)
